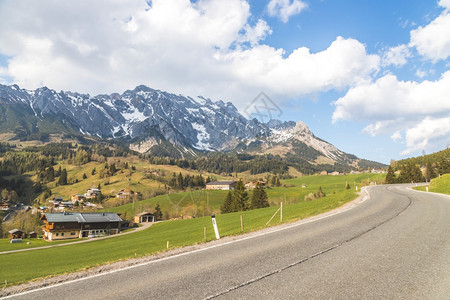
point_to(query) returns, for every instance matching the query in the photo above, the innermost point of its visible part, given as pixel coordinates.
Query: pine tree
(63, 178)
(277, 182)
(84, 176)
(58, 173)
(259, 197)
(158, 213)
(226, 205)
(240, 197)
(180, 181)
(429, 172)
(390, 176)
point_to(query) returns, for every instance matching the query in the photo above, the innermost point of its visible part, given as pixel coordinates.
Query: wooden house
(16, 234)
(221, 185)
(78, 198)
(32, 235)
(4, 205)
(127, 194)
(92, 193)
(59, 226)
(144, 217)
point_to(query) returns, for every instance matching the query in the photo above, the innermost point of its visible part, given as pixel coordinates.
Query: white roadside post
(427, 189)
(216, 230)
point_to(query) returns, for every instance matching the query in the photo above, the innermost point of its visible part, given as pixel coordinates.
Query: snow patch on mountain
(202, 137)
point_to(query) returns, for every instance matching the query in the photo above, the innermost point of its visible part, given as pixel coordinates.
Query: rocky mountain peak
(147, 118)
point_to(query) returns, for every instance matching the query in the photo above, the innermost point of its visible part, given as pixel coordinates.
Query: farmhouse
(59, 226)
(221, 185)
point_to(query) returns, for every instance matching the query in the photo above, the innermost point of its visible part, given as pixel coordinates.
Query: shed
(144, 217)
(32, 235)
(16, 234)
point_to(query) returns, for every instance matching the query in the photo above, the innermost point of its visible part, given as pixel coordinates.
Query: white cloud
(342, 64)
(394, 106)
(425, 133)
(445, 3)
(396, 56)
(433, 40)
(396, 136)
(205, 48)
(285, 9)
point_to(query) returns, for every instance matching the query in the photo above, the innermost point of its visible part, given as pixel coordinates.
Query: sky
(370, 77)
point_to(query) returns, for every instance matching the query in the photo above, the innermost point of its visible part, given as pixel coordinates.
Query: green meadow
(204, 202)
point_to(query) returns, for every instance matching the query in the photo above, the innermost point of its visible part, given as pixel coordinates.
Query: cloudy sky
(371, 77)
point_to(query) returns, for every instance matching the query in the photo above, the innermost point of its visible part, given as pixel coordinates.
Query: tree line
(238, 199)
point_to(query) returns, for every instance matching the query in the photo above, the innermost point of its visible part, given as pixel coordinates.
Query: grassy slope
(122, 179)
(438, 185)
(180, 233)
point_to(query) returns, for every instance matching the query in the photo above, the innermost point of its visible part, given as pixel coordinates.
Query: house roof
(15, 230)
(143, 214)
(82, 217)
(225, 182)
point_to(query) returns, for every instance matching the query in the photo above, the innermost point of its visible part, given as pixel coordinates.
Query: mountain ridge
(157, 122)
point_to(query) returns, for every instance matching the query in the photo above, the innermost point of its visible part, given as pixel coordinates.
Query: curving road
(395, 245)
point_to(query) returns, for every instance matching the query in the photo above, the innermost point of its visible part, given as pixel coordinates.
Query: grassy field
(15, 266)
(197, 203)
(5, 244)
(201, 202)
(297, 188)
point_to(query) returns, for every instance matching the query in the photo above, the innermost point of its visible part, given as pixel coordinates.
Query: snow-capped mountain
(147, 118)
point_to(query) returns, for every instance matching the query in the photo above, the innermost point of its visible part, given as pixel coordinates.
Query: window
(62, 234)
(72, 233)
(57, 234)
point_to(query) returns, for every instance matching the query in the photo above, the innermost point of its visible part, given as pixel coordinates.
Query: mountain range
(160, 123)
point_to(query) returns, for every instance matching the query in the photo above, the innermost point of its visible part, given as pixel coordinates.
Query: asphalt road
(396, 245)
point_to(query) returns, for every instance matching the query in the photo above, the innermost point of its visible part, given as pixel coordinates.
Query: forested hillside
(421, 168)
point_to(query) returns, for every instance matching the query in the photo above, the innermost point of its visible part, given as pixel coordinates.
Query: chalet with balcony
(72, 225)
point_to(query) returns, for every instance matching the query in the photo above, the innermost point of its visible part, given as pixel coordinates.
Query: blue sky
(371, 77)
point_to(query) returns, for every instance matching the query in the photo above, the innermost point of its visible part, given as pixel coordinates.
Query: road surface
(395, 245)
